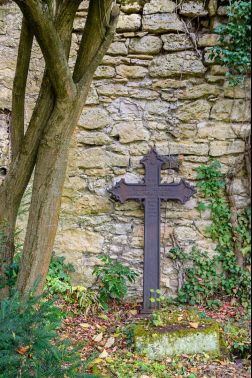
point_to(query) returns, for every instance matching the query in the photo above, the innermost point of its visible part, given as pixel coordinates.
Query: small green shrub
(112, 280)
(234, 48)
(29, 344)
(87, 300)
(202, 278)
(238, 340)
(58, 278)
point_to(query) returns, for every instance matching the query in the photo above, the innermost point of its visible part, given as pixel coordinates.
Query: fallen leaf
(104, 354)
(133, 312)
(194, 325)
(98, 338)
(85, 325)
(110, 342)
(23, 350)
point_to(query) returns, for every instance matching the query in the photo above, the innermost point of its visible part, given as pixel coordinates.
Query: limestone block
(197, 91)
(163, 22)
(193, 111)
(208, 40)
(146, 45)
(118, 48)
(231, 110)
(90, 204)
(100, 158)
(177, 64)
(174, 339)
(131, 7)
(218, 70)
(187, 131)
(158, 107)
(193, 8)
(185, 234)
(94, 118)
(112, 90)
(135, 72)
(185, 148)
(215, 130)
(129, 132)
(226, 148)
(130, 22)
(76, 240)
(93, 139)
(104, 72)
(176, 42)
(212, 7)
(159, 6)
(243, 91)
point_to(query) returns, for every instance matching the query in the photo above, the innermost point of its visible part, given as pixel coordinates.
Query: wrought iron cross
(152, 192)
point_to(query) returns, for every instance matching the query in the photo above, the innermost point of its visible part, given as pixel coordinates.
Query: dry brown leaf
(98, 338)
(194, 325)
(23, 350)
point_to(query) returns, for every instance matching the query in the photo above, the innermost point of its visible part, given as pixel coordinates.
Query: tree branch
(19, 88)
(42, 23)
(98, 33)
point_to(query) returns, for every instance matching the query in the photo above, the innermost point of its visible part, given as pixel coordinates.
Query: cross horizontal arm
(181, 191)
(123, 191)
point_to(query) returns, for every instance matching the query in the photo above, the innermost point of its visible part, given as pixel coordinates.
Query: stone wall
(155, 87)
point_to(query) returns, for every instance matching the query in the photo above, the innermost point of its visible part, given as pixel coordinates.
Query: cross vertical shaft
(151, 192)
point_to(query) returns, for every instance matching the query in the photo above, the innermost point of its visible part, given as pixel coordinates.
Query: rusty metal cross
(152, 192)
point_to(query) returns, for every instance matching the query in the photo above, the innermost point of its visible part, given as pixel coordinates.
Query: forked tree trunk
(48, 184)
(45, 144)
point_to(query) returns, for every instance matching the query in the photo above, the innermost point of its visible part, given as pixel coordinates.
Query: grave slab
(187, 338)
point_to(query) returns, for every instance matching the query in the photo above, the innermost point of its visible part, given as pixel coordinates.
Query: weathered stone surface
(177, 64)
(176, 42)
(185, 148)
(94, 118)
(93, 139)
(100, 158)
(130, 22)
(243, 91)
(77, 240)
(90, 204)
(226, 148)
(231, 110)
(197, 91)
(146, 45)
(215, 130)
(104, 72)
(112, 90)
(159, 6)
(163, 22)
(118, 48)
(136, 72)
(212, 7)
(193, 8)
(131, 132)
(198, 110)
(208, 40)
(131, 7)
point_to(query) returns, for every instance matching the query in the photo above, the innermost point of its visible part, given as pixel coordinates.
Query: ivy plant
(234, 48)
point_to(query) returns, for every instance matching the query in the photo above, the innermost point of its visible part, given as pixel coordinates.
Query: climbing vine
(234, 48)
(211, 277)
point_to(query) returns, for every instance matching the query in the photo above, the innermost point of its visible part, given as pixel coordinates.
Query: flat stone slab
(176, 339)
